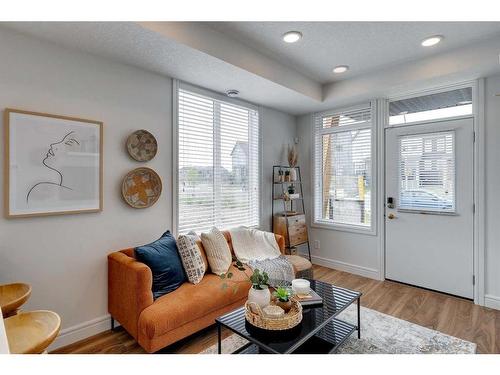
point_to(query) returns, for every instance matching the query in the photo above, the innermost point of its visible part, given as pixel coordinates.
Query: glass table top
(315, 318)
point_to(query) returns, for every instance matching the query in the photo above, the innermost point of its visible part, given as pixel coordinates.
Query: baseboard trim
(493, 302)
(81, 331)
(347, 267)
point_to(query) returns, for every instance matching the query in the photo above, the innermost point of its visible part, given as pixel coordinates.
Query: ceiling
(364, 46)
(294, 78)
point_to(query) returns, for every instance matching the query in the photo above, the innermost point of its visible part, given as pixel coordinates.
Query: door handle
(391, 216)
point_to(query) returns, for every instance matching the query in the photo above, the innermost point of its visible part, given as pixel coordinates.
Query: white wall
(64, 257)
(276, 137)
(492, 259)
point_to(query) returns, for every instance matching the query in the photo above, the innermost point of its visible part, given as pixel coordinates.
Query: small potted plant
(283, 298)
(259, 292)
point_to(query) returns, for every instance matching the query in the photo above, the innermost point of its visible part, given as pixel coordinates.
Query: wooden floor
(451, 315)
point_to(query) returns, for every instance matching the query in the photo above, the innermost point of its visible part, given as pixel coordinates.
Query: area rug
(381, 334)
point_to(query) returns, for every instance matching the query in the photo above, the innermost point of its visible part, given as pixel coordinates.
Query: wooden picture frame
(53, 164)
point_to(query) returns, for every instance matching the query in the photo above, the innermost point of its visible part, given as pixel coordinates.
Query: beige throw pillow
(191, 258)
(217, 250)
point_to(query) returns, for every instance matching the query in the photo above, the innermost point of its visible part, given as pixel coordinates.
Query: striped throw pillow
(191, 258)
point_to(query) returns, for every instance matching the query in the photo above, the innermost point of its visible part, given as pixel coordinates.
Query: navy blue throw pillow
(163, 258)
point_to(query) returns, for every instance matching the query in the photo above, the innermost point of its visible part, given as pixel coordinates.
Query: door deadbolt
(390, 202)
(391, 216)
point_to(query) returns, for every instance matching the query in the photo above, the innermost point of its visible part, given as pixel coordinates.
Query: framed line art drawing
(53, 164)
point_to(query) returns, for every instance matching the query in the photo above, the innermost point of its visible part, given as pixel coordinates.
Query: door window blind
(427, 172)
(343, 168)
(218, 163)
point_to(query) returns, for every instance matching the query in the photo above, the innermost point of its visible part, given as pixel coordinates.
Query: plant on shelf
(259, 292)
(283, 298)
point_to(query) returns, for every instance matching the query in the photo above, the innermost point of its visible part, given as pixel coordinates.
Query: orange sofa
(186, 310)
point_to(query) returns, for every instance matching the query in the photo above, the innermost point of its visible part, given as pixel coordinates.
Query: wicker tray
(256, 317)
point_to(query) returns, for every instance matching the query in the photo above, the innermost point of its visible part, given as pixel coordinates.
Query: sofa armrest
(281, 242)
(129, 290)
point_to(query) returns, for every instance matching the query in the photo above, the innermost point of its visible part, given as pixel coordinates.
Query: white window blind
(427, 172)
(343, 168)
(218, 163)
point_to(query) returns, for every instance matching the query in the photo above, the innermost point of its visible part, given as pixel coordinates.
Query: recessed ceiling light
(432, 40)
(340, 69)
(292, 36)
(232, 93)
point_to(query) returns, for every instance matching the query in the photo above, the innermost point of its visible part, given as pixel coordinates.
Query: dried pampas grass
(293, 156)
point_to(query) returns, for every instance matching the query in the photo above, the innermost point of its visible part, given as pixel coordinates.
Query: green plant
(259, 280)
(283, 294)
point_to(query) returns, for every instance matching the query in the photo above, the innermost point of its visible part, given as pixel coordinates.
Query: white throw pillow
(217, 251)
(191, 258)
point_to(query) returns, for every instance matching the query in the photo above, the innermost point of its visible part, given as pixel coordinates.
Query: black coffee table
(319, 332)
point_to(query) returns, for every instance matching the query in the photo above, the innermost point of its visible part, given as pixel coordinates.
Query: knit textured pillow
(217, 250)
(191, 258)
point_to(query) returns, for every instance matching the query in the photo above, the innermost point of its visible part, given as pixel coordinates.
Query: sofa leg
(112, 324)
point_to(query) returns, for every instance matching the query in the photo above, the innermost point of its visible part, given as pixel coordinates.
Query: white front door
(429, 205)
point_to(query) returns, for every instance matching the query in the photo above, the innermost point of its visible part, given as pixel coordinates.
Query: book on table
(309, 299)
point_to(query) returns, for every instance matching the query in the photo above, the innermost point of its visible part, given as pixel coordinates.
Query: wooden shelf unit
(292, 227)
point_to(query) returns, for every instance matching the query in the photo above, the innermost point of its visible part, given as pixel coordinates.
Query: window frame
(431, 91)
(176, 86)
(317, 186)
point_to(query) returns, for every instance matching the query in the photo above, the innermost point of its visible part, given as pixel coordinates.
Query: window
(431, 107)
(427, 172)
(218, 162)
(343, 169)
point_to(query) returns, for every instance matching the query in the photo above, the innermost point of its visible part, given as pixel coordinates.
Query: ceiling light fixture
(232, 93)
(292, 36)
(340, 69)
(432, 40)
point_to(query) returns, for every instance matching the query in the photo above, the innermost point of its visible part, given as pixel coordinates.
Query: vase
(261, 297)
(293, 174)
(286, 306)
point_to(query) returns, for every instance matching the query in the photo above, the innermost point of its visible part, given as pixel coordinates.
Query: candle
(301, 286)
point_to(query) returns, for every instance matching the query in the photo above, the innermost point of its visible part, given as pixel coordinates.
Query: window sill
(370, 231)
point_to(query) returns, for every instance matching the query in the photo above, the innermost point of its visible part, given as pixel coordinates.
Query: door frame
(478, 183)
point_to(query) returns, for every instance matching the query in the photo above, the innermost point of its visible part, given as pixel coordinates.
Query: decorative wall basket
(142, 145)
(141, 187)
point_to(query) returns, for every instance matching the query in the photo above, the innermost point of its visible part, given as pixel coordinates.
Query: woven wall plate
(142, 145)
(141, 187)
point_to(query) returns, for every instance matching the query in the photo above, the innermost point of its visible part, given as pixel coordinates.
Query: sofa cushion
(217, 250)
(162, 257)
(190, 302)
(299, 263)
(191, 258)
